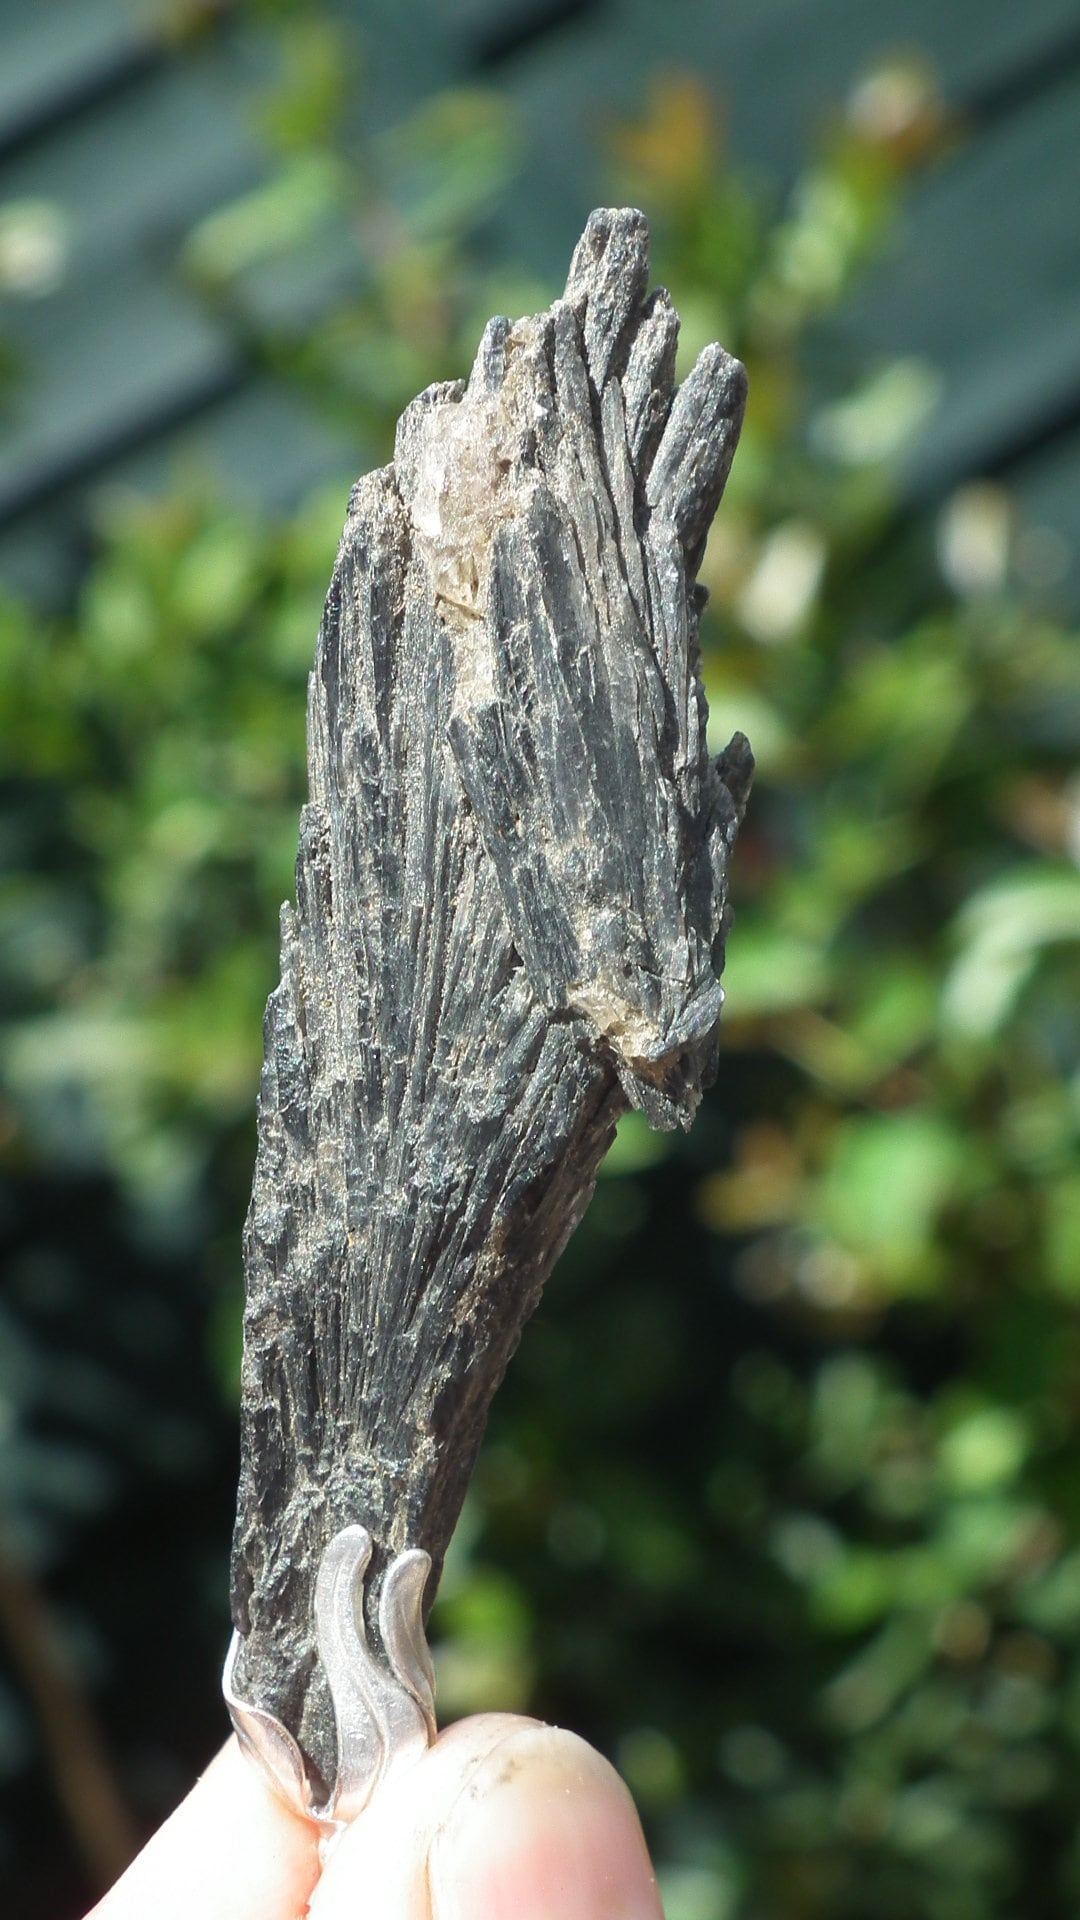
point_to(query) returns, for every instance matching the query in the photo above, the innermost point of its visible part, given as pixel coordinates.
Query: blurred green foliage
(781, 1502)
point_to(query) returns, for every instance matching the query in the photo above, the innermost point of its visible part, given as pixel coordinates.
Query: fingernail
(543, 1830)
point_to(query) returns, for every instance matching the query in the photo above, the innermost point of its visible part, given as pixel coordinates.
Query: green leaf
(447, 161)
(635, 1147)
(1002, 933)
(983, 1450)
(769, 971)
(886, 1182)
(307, 193)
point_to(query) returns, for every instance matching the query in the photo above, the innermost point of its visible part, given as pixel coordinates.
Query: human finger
(231, 1851)
(504, 1819)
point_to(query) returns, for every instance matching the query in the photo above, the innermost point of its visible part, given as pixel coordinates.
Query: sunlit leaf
(1001, 934)
(308, 192)
(768, 971)
(887, 1179)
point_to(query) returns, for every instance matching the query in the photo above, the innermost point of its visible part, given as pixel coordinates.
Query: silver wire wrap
(383, 1718)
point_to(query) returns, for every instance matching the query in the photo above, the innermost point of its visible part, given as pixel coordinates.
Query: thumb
(503, 1819)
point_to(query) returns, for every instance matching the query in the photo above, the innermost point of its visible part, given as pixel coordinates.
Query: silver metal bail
(384, 1715)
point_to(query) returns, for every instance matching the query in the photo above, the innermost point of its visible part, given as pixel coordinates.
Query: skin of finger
(378, 1869)
(231, 1851)
(543, 1829)
(504, 1819)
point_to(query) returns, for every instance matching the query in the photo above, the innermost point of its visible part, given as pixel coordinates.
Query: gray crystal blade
(510, 898)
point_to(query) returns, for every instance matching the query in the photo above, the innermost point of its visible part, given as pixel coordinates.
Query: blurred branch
(85, 1786)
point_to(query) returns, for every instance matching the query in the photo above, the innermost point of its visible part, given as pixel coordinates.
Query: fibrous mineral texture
(508, 927)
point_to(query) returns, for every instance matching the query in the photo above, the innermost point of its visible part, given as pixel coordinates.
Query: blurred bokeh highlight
(781, 1499)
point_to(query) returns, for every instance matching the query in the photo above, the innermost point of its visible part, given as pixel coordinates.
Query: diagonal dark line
(83, 93)
(1005, 460)
(1036, 436)
(99, 82)
(1025, 81)
(88, 461)
(504, 38)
